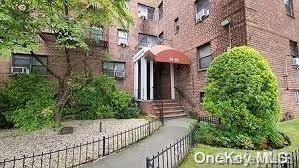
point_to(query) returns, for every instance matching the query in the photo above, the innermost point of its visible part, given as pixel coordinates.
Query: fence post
(149, 127)
(101, 129)
(162, 113)
(104, 145)
(147, 162)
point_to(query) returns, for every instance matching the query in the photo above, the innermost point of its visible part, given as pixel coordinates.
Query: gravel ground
(16, 143)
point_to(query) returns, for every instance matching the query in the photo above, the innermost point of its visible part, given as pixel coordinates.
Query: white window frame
(96, 33)
(203, 11)
(143, 11)
(112, 72)
(297, 96)
(122, 39)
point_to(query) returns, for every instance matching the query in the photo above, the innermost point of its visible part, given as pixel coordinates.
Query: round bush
(243, 91)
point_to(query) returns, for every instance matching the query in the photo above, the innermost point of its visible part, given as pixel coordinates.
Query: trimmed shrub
(204, 133)
(30, 102)
(130, 111)
(243, 92)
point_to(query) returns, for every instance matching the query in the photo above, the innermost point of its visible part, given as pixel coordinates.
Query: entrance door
(162, 81)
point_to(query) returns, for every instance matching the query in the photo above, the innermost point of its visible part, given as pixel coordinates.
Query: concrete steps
(171, 109)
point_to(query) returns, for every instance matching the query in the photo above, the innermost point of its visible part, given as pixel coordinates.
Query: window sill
(202, 70)
(197, 22)
(123, 46)
(14, 74)
(291, 15)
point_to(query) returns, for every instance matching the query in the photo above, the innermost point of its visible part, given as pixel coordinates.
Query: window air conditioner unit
(296, 62)
(202, 14)
(143, 17)
(119, 74)
(19, 70)
(123, 45)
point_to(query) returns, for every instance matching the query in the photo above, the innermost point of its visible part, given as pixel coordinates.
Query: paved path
(134, 156)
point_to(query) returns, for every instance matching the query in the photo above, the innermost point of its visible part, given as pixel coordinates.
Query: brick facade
(263, 25)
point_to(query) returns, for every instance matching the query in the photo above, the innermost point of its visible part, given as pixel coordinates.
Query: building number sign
(174, 59)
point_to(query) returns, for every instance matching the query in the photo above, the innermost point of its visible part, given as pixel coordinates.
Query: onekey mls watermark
(246, 159)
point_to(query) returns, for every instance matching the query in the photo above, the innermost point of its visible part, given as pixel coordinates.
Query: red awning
(163, 53)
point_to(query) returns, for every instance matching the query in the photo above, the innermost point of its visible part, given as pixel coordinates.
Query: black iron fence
(173, 155)
(83, 153)
(289, 160)
(209, 119)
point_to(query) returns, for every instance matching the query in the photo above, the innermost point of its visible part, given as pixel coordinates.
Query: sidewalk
(134, 156)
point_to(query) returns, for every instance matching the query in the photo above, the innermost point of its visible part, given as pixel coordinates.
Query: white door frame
(172, 81)
(144, 89)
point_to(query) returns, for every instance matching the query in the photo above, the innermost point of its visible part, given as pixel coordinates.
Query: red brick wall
(57, 61)
(269, 30)
(192, 35)
(263, 25)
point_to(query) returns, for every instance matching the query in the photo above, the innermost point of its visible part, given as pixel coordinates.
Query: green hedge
(28, 102)
(99, 98)
(243, 91)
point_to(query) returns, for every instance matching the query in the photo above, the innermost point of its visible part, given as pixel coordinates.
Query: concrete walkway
(134, 156)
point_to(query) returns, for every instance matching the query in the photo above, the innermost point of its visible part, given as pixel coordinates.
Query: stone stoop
(172, 109)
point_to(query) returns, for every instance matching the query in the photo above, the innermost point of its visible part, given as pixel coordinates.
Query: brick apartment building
(165, 54)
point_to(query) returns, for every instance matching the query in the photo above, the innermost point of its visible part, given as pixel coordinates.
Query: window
(204, 54)
(146, 40)
(202, 10)
(201, 96)
(161, 38)
(22, 63)
(160, 8)
(122, 37)
(114, 69)
(297, 96)
(96, 34)
(289, 5)
(294, 49)
(176, 25)
(146, 12)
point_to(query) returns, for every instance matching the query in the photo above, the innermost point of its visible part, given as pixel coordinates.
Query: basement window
(201, 96)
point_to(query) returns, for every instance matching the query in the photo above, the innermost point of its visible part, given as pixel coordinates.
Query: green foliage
(21, 21)
(131, 110)
(99, 98)
(212, 135)
(29, 102)
(204, 133)
(243, 91)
